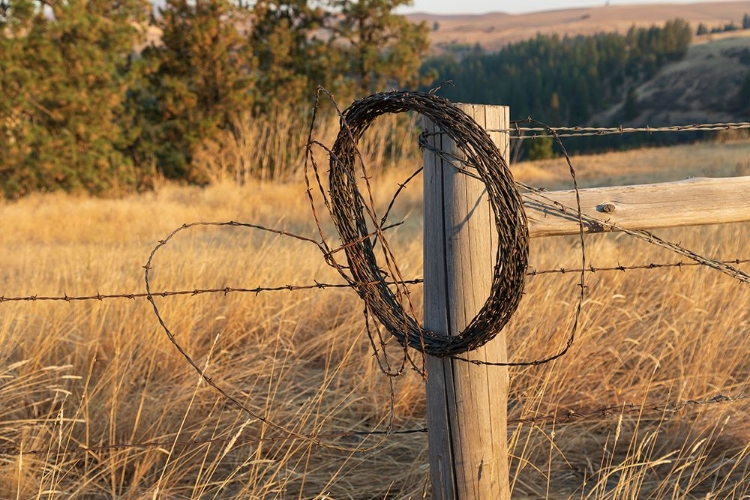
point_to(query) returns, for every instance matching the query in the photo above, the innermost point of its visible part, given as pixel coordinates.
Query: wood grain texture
(466, 404)
(684, 203)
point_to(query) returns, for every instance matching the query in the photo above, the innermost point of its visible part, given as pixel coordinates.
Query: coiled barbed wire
(348, 210)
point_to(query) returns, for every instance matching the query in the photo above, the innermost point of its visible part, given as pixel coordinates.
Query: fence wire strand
(353, 213)
(581, 131)
(320, 285)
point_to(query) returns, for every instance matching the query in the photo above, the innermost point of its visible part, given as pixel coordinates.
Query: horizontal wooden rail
(684, 203)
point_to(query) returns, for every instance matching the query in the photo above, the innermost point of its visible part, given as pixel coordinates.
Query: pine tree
(200, 79)
(294, 53)
(631, 104)
(554, 109)
(743, 96)
(381, 47)
(15, 77)
(69, 68)
(540, 148)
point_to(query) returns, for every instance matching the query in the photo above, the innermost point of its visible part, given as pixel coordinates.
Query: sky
(513, 7)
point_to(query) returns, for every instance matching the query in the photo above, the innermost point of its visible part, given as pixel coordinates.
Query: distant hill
(703, 87)
(496, 29)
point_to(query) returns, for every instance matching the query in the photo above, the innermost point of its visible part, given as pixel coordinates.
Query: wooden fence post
(466, 403)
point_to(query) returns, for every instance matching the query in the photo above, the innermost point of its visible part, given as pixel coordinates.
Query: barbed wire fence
(566, 132)
(319, 285)
(388, 277)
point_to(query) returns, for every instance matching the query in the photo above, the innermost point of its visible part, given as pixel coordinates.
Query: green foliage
(745, 22)
(380, 47)
(631, 105)
(562, 79)
(82, 110)
(725, 28)
(65, 73)
(743, 96)
(702, 29)
(198, 80)
(292, 60)
(540, 148)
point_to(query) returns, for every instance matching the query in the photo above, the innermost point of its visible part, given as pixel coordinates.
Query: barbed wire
(650, 266)
(317, 285)
(560, 416)
(583, 131)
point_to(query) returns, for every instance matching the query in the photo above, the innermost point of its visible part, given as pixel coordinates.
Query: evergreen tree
(702, 29)
(630, 107)
(294, 53)
(540, 148)
(675, 40)
(562, 79)
(381, 47)
(554, 106)
(66, 70)
(745, 22)
(200, 79)
(743, 96)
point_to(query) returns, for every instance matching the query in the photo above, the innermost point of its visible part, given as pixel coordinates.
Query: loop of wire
(351, 212)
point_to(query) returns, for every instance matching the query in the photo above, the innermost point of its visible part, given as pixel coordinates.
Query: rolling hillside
(703, 87)
(496, 29)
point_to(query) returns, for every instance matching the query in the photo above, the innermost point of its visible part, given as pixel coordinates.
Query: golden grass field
(97, 374)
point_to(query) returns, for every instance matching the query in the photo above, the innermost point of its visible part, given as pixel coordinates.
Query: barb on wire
(650, 265)
(561, 415)
(565, 132)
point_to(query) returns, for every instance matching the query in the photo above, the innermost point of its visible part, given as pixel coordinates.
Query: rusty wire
(582, 131)
(319, 285)
(542, 199)
(350, 212)
(644, 267)
(290, 433)
(464, 167)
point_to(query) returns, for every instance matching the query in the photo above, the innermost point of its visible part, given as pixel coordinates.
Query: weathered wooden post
(466, 403)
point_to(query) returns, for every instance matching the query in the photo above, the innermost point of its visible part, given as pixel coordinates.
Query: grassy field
(78, 378)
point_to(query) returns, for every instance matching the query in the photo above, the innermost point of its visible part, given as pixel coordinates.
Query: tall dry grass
(100, 373)
(273, 148)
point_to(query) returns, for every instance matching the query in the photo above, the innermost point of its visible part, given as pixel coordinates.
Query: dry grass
(643, 166)
(274, 148)
(99, 373)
